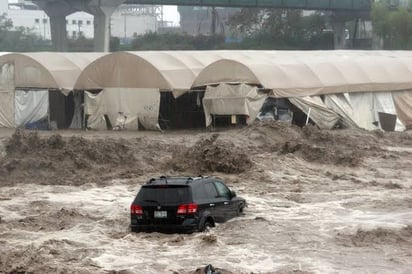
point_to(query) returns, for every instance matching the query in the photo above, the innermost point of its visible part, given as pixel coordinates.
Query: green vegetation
(281, 29)
(250, 28)
(253, 29)
(20, 39)
(174, 41)
(24, 40)
(80, 44)
(394, 26)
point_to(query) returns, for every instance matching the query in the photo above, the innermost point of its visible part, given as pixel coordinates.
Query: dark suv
(183, 203)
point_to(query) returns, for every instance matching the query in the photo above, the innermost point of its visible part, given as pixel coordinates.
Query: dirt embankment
(338, 147)
(59, 160)
(42, 259)
(377, 236)
(55, 160)
(217, 153)
(211, 155)
(54, 219)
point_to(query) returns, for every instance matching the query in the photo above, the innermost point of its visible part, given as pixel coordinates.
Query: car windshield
(164, 194)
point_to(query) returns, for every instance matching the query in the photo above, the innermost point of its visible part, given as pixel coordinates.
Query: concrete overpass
(334, 5)
(102, 10)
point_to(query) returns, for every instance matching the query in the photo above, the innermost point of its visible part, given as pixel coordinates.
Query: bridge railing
(351, 5)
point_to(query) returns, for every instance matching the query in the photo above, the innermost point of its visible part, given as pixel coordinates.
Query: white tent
(364, 109)
(137, 78)
(232, 100)
(125, 108)
(27, 78)
(6, 98)
(130, 83)
(319, 73)
(165, 70)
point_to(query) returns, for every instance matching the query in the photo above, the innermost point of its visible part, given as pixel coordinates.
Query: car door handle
(212, 204)
(226, 203)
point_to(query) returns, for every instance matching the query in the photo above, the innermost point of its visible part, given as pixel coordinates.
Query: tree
(281, 29)
(248, 21)
(176, 41)
(5, 24)
(394, 26)
(5, 27)
(80, 44)
(19, 39)
(258, 28)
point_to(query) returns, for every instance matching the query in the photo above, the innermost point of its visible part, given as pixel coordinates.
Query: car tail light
(191, 208)
(136, 209)
(182, 209)
(187, 209)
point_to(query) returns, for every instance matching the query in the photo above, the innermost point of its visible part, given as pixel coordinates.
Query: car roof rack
(164, 178)
(191, 179)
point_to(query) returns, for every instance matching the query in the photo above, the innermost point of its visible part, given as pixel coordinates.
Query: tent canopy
(165, 70)
(305, 73)
(232, 100)
(51, 70)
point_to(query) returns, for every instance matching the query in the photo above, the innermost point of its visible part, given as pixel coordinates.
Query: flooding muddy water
(303, 216)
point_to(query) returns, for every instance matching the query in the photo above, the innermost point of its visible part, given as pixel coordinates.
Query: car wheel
(240, 210)
(206, 226)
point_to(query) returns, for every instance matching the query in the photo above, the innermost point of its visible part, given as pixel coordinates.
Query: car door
(226, 207)
(204, 195)
(214, 201)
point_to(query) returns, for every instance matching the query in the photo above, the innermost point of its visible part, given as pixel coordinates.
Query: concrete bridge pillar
(58, 31)
(337, 21)
(339, 35)
(102, 11)
(57, 11)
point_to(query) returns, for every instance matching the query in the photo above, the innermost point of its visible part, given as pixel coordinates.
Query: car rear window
(164, 194)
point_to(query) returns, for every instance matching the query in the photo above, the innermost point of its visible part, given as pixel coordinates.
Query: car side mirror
(232, 194)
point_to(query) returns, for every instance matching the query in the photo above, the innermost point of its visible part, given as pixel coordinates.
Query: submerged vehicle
(169, 204)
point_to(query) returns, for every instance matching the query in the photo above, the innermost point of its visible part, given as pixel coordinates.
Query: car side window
(210, 190)
(199, 193)
(222, 190)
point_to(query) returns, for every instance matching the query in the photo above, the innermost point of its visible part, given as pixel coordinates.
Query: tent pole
(83, 110)
(307, 117)
(48, 110)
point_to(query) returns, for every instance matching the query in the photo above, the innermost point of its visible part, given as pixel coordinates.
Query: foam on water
(255, 242)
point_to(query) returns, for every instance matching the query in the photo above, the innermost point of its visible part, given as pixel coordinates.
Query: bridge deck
(348, 5)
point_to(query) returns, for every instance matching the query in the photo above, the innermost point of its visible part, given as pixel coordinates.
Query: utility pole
(125, 27)
(214, 18)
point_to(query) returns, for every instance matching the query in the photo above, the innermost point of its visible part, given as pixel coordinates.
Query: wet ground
(319, 201)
